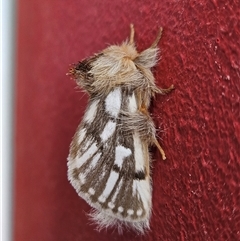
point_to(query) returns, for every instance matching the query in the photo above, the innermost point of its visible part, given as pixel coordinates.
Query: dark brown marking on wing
(116, 168)
(140, 175)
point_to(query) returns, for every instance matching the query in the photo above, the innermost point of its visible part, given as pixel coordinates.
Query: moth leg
(159, 148)
(154, 140)
(131, 38)
(165, 91)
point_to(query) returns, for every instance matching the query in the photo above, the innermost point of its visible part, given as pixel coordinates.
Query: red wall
(196, 190)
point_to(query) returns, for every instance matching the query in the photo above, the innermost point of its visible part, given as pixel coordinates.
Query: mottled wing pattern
(109, 168)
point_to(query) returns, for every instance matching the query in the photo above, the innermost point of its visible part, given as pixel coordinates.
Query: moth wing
(111, 179)
(109, 169)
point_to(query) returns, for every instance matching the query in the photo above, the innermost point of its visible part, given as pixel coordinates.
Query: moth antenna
(155, 43)
(131, 38)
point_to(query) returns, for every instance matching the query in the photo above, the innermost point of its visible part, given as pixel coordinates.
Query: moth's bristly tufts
(104, 221)
(109, 160)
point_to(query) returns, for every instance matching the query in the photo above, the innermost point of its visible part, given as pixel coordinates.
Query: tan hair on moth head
(118, 65)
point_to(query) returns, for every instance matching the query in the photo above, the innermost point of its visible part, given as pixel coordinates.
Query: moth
(109, 161)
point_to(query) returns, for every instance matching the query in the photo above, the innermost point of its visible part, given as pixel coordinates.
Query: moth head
(117, 65)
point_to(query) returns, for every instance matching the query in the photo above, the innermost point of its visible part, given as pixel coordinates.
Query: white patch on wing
(91, 112)
(81, 177)
(134, 187)
(108, 130)
(132, 103)
(143, 190)
(109, 186)
(86, 155)
(91, 191)
(139, 212)
(81, 135)
(130, 212)
(120, 153)
(120, 209)
(138, 153)
(95, 160)
(111, 205)
(102, 199)
(113, 102)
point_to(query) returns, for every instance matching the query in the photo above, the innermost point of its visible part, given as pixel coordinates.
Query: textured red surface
(196, 191)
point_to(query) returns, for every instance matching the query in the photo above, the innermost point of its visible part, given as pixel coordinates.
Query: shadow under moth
(109, 161)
